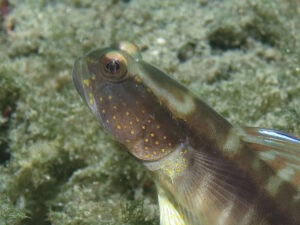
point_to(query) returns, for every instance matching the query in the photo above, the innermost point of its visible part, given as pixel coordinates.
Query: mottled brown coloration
(212, 180)
(207, 171)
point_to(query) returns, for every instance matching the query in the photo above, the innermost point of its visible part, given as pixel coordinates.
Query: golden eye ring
(113, 66)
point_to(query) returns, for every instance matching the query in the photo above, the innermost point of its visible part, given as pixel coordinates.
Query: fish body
(207, 172)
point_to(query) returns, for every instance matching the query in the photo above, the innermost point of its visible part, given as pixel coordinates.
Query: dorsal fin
(280, 151)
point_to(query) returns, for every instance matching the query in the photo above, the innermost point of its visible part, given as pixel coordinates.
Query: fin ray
(169, 212)
(280, 151)
(214, 186)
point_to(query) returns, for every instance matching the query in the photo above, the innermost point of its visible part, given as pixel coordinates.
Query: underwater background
(57, 166)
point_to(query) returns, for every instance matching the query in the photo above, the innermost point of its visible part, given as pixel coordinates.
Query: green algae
(56, 164)
(8, 213)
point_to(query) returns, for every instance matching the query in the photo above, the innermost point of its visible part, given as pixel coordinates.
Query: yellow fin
(169, 214)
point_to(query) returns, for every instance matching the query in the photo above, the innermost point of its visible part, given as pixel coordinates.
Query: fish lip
(80, 73)
(77, 72)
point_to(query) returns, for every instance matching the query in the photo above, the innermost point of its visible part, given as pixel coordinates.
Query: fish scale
(207, 171)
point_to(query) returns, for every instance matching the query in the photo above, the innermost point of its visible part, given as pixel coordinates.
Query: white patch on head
(185, 106)
(273, 185)
(286, 173)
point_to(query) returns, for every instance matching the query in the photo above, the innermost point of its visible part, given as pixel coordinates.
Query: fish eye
(113, 66)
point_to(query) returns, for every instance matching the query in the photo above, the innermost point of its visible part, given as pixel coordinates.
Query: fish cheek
(117, 115)
(136, 119)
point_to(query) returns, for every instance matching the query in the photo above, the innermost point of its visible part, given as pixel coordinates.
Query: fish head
(110, 84)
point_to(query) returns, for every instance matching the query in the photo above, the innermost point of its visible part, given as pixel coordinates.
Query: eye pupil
(113, 66)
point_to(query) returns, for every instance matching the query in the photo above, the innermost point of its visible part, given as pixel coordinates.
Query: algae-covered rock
(8, 213)
(57, 166)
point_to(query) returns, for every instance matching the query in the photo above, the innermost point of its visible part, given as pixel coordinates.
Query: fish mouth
(80, 74)
(77, 77)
